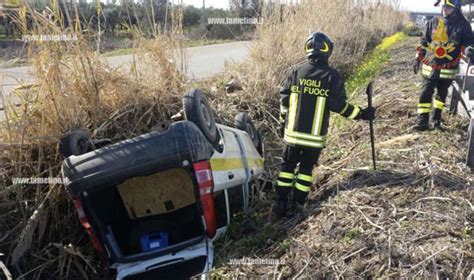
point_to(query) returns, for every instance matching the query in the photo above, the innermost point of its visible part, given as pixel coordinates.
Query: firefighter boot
(280, 207)
(299, 199)
(422, 122)
(436, 118)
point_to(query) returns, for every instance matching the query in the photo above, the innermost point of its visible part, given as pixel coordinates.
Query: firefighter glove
(367, 114)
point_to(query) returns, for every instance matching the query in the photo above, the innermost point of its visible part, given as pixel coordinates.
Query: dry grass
(75, 87)
(411, 219)
(280, 46)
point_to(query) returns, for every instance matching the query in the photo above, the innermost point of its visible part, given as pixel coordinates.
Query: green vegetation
(372, 65)
(118, 52)
(149, 16)
(412, 30)
(365, 73)
(353, 234)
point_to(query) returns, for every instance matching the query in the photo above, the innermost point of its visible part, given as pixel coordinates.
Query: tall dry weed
(355, 27)
(75, 87)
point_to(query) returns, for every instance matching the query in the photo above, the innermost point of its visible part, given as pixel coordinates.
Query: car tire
(197, 110)
(75, 143)
(243, 122)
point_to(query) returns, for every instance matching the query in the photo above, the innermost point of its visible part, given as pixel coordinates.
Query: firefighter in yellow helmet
(438, 55)
(311, 91)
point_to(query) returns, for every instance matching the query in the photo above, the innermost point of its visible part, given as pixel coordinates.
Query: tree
(112, 17)
(192, 16)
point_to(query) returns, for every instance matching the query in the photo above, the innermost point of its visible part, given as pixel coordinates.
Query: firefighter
(312, 90)
(439, 54)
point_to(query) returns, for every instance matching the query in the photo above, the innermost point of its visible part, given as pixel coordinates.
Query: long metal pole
(466, 76)
(371, 124)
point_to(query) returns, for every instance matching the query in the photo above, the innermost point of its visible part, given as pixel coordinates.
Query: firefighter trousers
(427, 103)
(307, 158)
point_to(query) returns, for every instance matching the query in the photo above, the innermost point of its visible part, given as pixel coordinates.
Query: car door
(228, 167)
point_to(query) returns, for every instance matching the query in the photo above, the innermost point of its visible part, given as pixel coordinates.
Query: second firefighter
(439, 55)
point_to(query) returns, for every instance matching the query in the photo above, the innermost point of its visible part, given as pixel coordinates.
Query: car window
(221, 209)
(236, 202)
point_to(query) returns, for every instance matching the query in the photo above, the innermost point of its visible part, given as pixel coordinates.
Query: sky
(223, 4)
(419, 5)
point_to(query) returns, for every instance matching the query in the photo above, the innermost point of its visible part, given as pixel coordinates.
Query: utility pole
(99, 11)
(153, 17)
(166, 15)
(67, 6)
(204, 20)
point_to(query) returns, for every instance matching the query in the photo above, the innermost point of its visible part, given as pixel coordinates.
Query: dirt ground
(412, 218)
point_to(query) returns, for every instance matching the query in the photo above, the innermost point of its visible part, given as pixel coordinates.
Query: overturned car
(154, 204)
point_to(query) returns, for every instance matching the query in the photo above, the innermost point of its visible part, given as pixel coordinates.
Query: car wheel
(243, 122)
(75, 143)
(199, 112)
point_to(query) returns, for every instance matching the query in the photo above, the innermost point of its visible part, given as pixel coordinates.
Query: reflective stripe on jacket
(429, 72)
(311, 91)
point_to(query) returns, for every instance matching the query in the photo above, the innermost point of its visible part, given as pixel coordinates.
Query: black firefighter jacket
(311, 91)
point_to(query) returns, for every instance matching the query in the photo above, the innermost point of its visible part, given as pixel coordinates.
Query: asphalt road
(204, 61)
